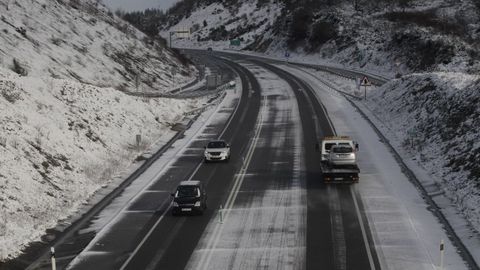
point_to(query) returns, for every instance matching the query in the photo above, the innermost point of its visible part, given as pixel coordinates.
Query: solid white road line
(364, 234)
(146, 236)
(224, 129)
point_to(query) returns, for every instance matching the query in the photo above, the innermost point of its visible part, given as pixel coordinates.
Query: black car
(190, 197)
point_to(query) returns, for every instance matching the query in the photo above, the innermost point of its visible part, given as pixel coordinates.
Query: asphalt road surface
(281, 216)
(267, 207)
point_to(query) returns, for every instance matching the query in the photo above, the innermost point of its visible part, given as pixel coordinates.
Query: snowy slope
(81, 40)
(434, 35)
(66, 130)
(215, 25)
(437, 117)
(61, 141)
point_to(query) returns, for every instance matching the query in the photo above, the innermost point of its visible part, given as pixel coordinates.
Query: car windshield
(188, 191)
(217, 145)
(342, 149)
(328, 146)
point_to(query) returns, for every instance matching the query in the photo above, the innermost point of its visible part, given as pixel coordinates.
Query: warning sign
(365, 82)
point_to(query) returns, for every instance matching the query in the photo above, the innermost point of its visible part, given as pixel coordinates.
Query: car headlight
(197, 204)
(175, 204)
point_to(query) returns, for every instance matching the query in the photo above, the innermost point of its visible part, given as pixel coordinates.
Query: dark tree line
(147, 21)
(299, 19)
(307, 21)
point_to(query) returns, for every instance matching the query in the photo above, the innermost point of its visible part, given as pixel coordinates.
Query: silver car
(217, 151)
(342, 155)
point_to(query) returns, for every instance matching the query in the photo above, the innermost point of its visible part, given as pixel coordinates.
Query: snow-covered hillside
(214, 25)
(61, 141)
(66, 130)
(81, 40)
(437, 116)
(434, 35)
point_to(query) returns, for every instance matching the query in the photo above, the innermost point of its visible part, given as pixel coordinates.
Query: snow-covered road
(264, 224)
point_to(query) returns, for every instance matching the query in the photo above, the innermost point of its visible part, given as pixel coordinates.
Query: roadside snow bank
(61, 141)
(437, 117)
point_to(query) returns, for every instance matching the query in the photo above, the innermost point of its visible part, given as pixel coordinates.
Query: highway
(267, 206)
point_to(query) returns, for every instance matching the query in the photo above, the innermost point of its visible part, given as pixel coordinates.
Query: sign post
(412, 132)
(171, 34)
(138, 139)
(365, 83)
(442, 251)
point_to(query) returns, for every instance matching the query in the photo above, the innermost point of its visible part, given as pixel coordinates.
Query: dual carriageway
(268, 207)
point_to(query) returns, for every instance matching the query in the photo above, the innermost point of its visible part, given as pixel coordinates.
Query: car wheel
(206, 160)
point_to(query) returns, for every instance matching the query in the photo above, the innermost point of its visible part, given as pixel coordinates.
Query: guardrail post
(221, 214)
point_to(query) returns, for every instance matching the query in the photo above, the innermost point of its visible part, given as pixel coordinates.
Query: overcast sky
(135, 5)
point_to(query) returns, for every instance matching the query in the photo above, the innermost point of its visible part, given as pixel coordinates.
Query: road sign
(412, 131)
(182, 33)
(365, 81)
(235, 42)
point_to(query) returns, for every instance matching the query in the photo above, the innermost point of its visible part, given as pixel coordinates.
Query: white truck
(339, 159)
